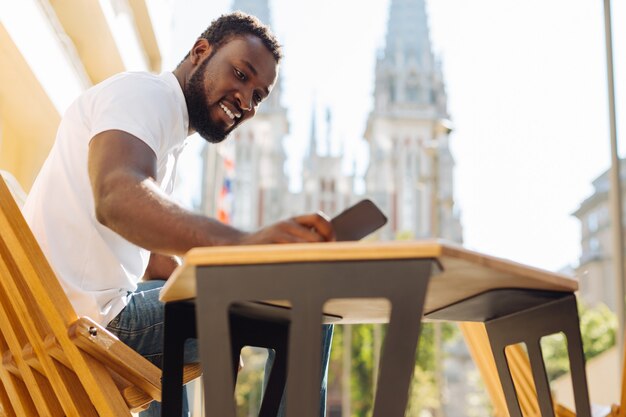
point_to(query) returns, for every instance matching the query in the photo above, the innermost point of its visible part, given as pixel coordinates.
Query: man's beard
(197, 107)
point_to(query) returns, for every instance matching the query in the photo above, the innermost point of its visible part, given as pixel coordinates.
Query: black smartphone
(358, 221)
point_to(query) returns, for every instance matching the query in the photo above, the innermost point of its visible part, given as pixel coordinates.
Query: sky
(527, 94)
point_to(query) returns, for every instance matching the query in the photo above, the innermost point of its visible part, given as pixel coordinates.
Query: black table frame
(511, 316)
(249, 326)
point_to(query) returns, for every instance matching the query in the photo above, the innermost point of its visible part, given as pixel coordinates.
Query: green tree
(423, 392)
(250, 381)
(362, 383)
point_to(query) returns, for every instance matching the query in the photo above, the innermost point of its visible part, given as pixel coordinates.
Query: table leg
(398, 357)
(529, 326)
(304, 360)
(180, 324)
(308, 287)
(249, 331)
(216, 359)
(276, 383)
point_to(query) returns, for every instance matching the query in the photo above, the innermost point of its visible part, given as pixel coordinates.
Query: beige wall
(28, 119)
(28, 116)
(603, 379)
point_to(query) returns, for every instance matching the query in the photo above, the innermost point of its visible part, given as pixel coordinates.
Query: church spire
(329, 143)
(409, 104)
(313, 138)
(407, 75)
(407, 32)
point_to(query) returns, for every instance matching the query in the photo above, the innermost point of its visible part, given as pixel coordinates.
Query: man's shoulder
(134, 81)
(145, 105)
(135, 90)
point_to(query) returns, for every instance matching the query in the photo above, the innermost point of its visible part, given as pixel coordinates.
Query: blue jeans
(140, 326)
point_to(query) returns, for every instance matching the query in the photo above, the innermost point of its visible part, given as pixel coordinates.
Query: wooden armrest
(139, 380)
(191, 372)
(104, 346)
(137, 400)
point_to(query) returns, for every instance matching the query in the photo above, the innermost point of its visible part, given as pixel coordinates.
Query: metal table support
(307, 286)
(513, 316)
(266, 327)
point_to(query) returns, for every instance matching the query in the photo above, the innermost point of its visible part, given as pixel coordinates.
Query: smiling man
(100, 207)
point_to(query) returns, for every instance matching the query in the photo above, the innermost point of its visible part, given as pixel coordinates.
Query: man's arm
(160, 266)
(122, 171)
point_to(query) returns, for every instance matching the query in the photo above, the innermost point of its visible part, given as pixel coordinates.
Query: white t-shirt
(96, 266)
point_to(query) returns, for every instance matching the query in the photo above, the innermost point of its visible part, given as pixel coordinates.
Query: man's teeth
(227, 111)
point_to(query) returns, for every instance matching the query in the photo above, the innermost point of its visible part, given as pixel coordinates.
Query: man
(100, 206)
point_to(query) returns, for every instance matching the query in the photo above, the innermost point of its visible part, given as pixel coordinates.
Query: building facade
(594, 271)
(411, 167)
(410, 173)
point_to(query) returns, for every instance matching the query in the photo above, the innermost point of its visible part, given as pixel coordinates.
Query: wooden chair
(55, 363)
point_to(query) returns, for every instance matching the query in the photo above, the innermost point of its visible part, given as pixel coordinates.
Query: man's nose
(244, 100)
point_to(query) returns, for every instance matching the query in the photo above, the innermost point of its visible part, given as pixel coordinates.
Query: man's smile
(232, 114)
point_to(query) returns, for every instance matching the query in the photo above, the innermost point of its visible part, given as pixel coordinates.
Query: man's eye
(258, 99)
(240, 75)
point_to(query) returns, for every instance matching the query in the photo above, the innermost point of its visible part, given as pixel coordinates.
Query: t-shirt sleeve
(137, 105)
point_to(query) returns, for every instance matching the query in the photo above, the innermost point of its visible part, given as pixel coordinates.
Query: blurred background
(481, 122)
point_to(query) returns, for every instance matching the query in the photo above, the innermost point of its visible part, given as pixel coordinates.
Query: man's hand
(300, 229)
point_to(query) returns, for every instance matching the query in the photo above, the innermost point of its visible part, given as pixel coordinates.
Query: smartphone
(358, 221)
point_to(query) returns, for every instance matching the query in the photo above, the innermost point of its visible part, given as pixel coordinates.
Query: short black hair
(227, 26)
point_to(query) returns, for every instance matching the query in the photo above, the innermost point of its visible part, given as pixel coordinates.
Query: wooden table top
(463, 273)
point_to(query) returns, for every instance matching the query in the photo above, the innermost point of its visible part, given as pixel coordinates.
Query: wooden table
(372, 282)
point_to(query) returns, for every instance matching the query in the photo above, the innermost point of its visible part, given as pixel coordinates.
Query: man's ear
(200, 49)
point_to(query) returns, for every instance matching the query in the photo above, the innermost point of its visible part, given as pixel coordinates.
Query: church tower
(249, 184)
(410, 170)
